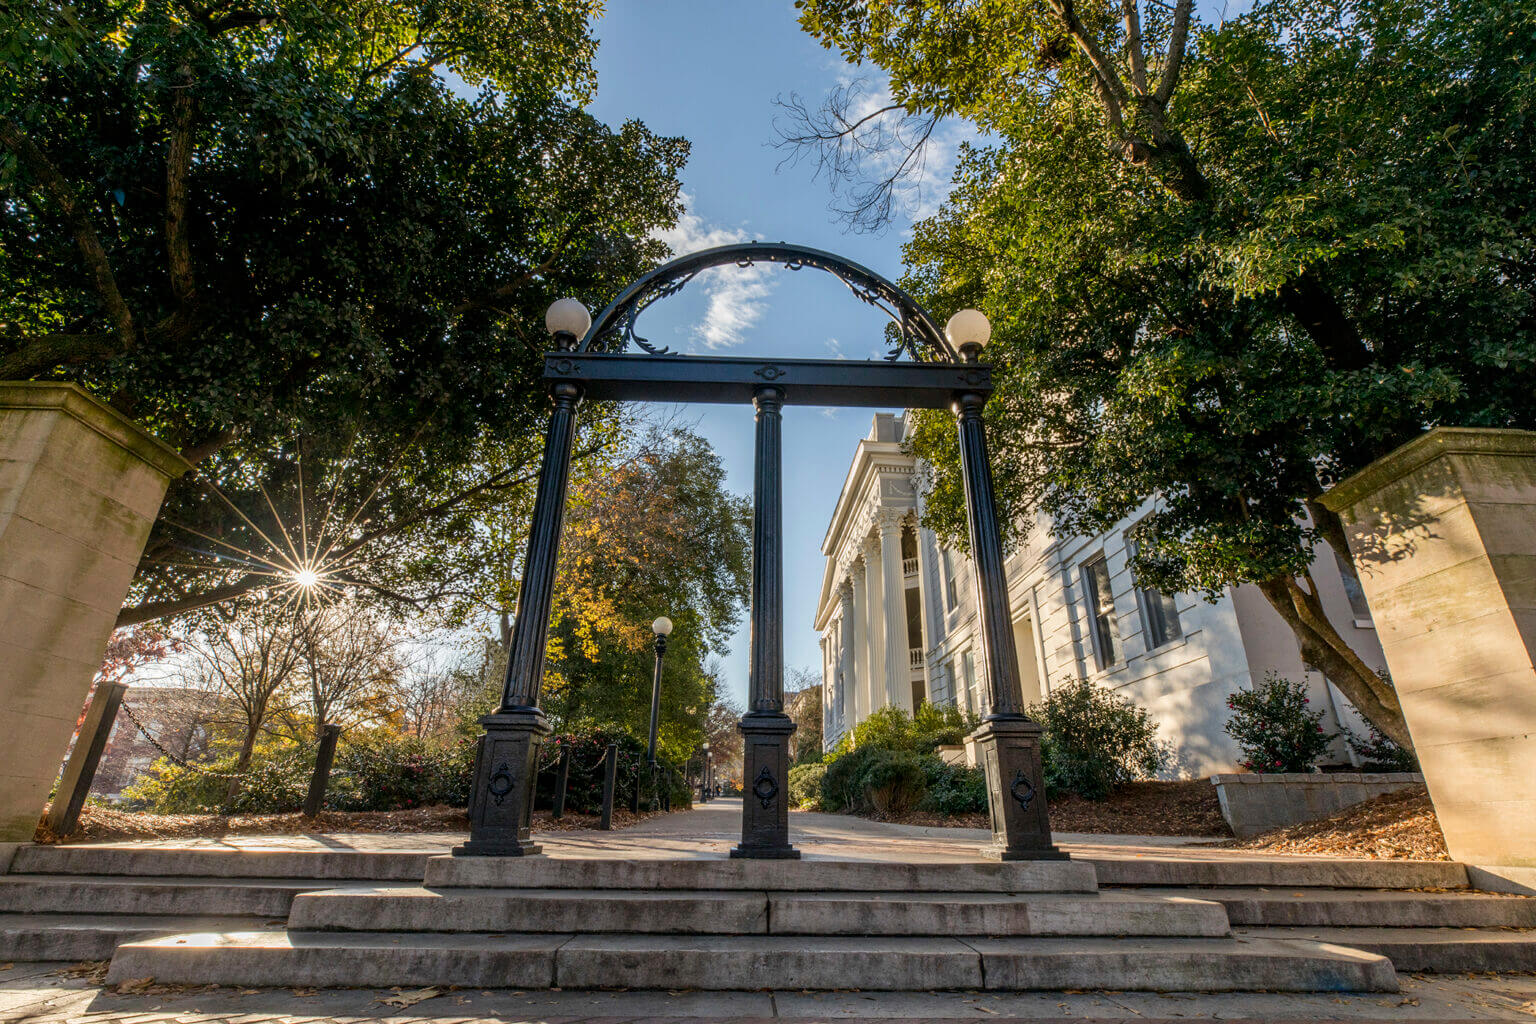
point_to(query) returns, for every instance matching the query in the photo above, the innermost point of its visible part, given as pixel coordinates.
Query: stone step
(1364, 908)
(336, 865)
(76, 937)
(722, 873)
(1288, 872)
(748, 963)
(1424, 950)
(742, 912)
(52, 894)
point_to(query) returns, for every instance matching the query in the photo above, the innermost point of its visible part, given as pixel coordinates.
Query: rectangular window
(951, 593)
(1357, 605)
(1158, 611)
(973, 702)
(1101, 605)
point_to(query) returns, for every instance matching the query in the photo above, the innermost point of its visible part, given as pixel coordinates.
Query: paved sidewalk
(715, 827)
(41, 994)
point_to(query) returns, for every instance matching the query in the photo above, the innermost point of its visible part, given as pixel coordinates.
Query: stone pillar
(765, 728)
(873, 691)
(858, 644)
(898, 674)
(80, 487)
(1443, 531)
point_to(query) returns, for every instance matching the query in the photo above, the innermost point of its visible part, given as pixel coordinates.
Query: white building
(897, 620)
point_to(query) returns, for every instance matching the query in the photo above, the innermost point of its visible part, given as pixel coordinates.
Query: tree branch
(175, 606)
(1133, 49)
(1111, 90)
(43, 352)
(1176, 42)
(95, 257)
(178, 164)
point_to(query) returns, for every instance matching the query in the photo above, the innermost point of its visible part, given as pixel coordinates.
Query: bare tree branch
(1133, 50)
(1176, 42)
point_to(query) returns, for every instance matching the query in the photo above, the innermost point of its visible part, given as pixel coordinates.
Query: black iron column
(1008, 741)
(765, 727)
(501, 799)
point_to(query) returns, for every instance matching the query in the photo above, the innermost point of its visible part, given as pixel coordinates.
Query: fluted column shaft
(873, 692)
(898, 673)
(858, 644)
(845, 653)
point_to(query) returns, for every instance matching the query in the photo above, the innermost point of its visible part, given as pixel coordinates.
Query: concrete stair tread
(1364, 907)
(749, 912)
(106, 860)
(1430, 950)
(1286, 872)
(750, 962)
(32, 937)
(813, 874)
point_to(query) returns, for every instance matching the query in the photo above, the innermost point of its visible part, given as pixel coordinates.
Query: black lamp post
(662, 627)
(704, 776)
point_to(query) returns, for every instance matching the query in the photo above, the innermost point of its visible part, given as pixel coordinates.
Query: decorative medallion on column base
(765, 803)
(501, 799)
(1009, 751)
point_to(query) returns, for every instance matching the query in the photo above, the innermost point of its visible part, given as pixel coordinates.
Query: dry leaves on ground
(1397, 826)
(405, 999)
(1137, 808)
(104, 823)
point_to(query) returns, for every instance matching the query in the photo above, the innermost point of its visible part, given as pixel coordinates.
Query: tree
(251, 666)
(802, 702)
(655, 533)
(281, 239)
(350, 664)
(726, 747)
(1227, 265)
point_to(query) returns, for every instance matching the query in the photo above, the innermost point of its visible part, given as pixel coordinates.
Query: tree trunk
(247, 747)
(1323, 648)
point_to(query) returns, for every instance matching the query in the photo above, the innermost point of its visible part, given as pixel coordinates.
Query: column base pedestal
(1009, 751)
(501, 797)
(765, 804)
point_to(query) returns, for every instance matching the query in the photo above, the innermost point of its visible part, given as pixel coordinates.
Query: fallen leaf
(405, 999)
(304, 993)
(133, 985)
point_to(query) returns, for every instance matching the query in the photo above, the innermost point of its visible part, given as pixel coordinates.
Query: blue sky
(710, 71)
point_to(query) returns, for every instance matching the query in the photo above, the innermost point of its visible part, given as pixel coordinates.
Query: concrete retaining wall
(1255, 803)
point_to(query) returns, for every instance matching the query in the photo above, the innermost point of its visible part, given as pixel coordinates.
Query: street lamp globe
(969, 330)
(567, 316)
(662, 626)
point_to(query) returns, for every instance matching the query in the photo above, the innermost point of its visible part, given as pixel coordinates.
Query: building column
(845, 653)
(858, 643)
(898, 672)
(872, 692)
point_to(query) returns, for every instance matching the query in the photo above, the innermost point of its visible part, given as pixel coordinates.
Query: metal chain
(183, 762)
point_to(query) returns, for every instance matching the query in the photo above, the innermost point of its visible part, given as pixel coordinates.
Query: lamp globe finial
(662, 626)
(969, 331)
(567, 317)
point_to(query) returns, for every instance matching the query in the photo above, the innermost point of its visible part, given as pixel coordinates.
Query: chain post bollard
(610, 782)
(75, 785)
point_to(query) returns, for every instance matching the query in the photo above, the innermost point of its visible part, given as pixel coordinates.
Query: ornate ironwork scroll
(916, 333)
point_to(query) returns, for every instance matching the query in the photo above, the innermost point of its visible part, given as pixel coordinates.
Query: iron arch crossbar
(917, 333)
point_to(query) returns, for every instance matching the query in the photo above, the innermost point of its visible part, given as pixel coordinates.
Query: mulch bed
(103, 823)
(1397, 826)
(1137, 808)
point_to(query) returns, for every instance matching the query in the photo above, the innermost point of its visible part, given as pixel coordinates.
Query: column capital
(888, 519)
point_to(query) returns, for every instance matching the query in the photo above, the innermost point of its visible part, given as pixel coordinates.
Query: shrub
(1275, 728)
(1095, 740)
(1378, 753)
(893, 781)
(584, 788)
(805, 785)
(275, 780)
(842, 784)
(377, 770)
(891, 728)
(953, 788)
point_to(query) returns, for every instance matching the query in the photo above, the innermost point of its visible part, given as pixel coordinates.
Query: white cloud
(836, 348)
(737, 295)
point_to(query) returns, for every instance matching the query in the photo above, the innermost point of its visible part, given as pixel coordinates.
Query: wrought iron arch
(917, 333)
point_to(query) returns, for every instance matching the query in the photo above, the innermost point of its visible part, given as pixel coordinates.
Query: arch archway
(917, 334)
(939, 374)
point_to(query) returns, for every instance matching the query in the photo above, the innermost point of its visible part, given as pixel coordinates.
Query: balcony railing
(915, 657)
(909, 567)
